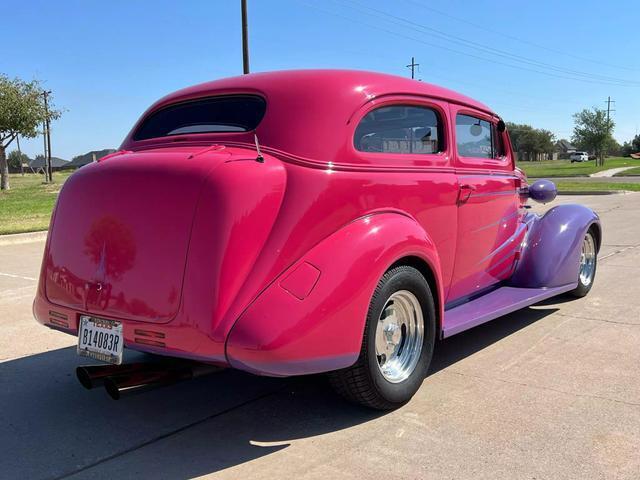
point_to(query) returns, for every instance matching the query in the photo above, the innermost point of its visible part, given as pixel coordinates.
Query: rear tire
(588, 265)
(397, 345)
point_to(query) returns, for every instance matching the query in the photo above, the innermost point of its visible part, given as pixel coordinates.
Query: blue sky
(533, 62)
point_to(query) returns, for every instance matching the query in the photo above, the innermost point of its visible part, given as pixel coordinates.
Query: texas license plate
(100, 339)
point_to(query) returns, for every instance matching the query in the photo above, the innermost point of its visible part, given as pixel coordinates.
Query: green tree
(530, 141)
(21, 113)
(614, 149)
(15, 159)
(632, 146)
(593, 131)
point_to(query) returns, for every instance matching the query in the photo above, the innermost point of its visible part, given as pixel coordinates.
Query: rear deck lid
(120, 235)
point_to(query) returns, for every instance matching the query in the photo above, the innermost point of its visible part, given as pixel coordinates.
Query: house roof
(87, 158)
(55, 162)
(566, 145)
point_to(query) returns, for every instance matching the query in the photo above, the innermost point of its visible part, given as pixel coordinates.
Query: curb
(595, 192)
(18, 238)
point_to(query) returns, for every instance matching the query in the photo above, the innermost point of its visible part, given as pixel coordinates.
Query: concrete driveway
(549, 392)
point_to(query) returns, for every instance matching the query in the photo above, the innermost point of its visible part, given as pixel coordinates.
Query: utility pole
(245, 38)
(609, 102)
(20, 152)
(44, 136)
(47, 140)
(413, 66)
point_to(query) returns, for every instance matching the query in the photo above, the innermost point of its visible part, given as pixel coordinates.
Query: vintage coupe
(300, 222)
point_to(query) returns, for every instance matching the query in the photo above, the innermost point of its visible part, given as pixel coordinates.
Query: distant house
(563, 146)
(39, 162)
(82, 160)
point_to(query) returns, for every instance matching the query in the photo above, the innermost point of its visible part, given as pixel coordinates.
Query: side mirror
(543, 191)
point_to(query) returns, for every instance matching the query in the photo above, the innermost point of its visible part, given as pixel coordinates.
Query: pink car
(300, 222)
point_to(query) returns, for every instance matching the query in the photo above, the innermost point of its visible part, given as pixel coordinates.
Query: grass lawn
(27, 206)
(564, 168)
(568, 186)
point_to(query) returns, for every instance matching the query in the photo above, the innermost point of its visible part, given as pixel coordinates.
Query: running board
(495, 304)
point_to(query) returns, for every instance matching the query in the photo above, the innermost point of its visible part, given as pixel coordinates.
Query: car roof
(308, 111)
(364, 85)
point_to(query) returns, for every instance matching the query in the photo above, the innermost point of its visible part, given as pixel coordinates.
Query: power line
(406, 23)
(401, 35)
(471, 55)
(518, 39)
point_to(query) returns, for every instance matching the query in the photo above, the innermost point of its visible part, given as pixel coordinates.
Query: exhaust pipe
(92, 376)
(125, 380)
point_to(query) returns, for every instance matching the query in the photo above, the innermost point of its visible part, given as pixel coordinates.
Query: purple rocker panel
(548, 266)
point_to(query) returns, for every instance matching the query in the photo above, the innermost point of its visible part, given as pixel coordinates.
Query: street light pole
(245, 37)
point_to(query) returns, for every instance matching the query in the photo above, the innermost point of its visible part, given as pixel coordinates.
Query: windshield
(237, 113)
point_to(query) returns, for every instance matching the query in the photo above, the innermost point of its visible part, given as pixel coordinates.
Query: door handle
(465, 192)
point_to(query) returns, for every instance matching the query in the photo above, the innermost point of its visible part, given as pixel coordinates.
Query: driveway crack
(539, 387)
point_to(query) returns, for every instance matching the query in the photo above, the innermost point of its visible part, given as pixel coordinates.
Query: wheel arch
(291, 330)
(551, 251)
(597, 233)
(426, 270)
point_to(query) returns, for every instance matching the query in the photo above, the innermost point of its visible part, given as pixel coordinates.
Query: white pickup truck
(579, 157)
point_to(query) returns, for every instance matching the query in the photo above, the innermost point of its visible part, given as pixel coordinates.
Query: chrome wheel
(587, 260)
(399, 336)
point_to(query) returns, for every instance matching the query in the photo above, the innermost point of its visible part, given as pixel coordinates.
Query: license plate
(100, 339)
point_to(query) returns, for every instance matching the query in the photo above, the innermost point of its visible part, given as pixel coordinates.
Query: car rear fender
(311, 318)
(550, 255)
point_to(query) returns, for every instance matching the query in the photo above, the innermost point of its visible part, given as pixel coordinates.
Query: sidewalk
(17, 238)
(609, 173)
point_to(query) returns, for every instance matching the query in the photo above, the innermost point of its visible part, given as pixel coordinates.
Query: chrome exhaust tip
(92, 376)
(127, 379)
(155, 376)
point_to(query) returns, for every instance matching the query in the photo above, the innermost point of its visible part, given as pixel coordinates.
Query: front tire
(397, 344)
(588, 264)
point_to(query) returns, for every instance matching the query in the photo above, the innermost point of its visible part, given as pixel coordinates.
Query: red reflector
(148, 333)
(59, 315)
(153, 343)
(59, 323)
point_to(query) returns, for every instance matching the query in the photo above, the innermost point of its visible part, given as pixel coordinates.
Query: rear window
(400, 129)
(237, 113)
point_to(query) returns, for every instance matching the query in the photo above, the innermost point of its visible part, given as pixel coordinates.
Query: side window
(400, 129)
(498, 143)
(473, 137)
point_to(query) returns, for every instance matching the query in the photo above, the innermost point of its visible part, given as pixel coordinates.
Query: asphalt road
(629, 179)
(549, 392)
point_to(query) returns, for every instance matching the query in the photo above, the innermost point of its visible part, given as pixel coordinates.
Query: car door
(488, 204)
(407, 142)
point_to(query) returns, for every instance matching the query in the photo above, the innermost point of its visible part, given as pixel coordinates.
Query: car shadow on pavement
(50, 427)
(458, 347)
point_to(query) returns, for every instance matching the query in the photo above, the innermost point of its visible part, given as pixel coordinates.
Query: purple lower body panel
(496, 304)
